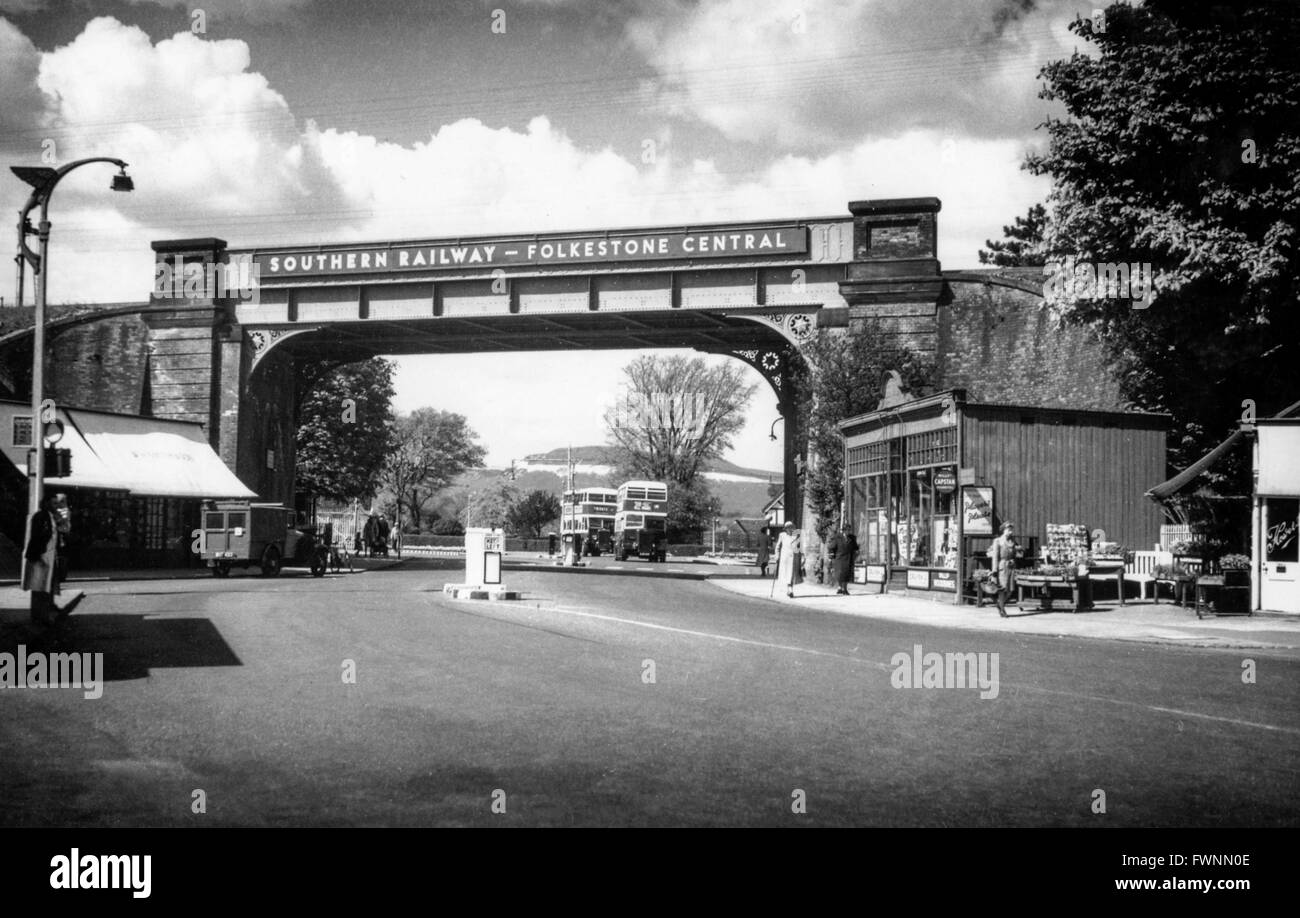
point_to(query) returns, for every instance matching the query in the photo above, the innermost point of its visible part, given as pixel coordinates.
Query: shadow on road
(132, 645)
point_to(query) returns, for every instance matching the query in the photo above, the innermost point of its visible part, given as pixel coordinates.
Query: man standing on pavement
(1003, 554)
(764, 552)
(40, 560)
(840, 549)
(370, 533)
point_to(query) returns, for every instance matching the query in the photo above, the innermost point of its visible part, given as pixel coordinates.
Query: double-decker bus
(641, 524)
(590, 513)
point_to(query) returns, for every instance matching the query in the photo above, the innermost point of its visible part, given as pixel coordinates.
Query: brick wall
(266, 421)
(100, 366)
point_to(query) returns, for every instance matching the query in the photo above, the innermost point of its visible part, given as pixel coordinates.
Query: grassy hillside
(738, 498)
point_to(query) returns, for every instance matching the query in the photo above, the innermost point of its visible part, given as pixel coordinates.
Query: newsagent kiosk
(929, 482)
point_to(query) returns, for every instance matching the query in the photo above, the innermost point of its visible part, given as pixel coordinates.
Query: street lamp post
(43, 179)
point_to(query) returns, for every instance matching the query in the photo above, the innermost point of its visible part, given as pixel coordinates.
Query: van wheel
(221, 569)
(271, 562)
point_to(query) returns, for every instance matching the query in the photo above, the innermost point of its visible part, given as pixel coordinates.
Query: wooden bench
(1141, 568)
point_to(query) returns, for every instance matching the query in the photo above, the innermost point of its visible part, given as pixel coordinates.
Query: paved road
(235, 687)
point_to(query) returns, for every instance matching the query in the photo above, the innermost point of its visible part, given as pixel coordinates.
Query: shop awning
(1185, 477)
(158, 460)
(149, 457)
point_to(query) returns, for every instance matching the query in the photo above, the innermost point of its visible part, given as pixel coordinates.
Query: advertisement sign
(645, 506)
(945, 481)
(977, 509)
(943, 580)
(875, 573)
(918, 579)
(1281, 539)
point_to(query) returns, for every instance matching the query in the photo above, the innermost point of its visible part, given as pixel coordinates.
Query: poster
(977, 509)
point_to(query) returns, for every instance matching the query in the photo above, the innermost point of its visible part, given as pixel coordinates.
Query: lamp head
(123, 182)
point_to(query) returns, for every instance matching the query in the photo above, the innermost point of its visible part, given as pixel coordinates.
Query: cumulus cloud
(215, 150)
(20, 63)
(812, 74)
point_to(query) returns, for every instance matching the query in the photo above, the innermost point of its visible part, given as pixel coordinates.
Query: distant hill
(597, 456)
(742, 492)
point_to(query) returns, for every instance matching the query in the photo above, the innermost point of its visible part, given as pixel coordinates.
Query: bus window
(656, 524)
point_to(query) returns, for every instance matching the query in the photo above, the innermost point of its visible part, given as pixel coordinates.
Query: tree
(1181, 150)
(345, 428)
(691, 509)
(848, 373)
(533, 512)
(489, 506)
(677, 415)
(432, 448)
(1023, 244)
(447, 527)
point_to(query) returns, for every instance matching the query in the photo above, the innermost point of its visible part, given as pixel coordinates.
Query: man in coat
(1003, 554)
(840, 549)
(370, 533)
(40, 560)
(789, 557)
(764, 552)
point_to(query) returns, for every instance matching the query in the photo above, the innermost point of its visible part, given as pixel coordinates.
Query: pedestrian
(63, 523)
(789, 558)
(370, 532)
(40, 562)
(550, 544)
(840, 549)
(764, 552)
(383, 536)
(1003, 554)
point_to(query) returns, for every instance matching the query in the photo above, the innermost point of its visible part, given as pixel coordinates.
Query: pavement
(1145, 622)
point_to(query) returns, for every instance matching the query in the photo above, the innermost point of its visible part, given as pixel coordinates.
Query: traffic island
(463, 591)
(483, 551)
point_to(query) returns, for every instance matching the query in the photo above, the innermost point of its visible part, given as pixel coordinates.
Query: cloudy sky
(296, 121)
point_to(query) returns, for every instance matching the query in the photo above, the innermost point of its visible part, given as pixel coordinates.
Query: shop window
(154, 531)
(927, 533)
(934, 447)
(871, 459)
